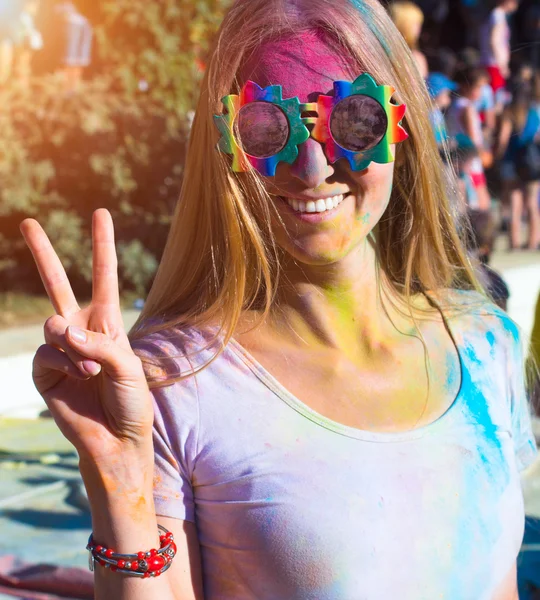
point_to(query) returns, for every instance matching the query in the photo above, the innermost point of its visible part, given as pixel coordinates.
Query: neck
(337, 306)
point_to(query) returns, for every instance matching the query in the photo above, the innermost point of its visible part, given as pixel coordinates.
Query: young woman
(356, 424)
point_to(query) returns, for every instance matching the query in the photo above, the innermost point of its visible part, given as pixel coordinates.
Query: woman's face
(307, 67)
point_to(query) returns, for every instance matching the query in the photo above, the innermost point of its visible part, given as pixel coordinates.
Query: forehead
(302, 65)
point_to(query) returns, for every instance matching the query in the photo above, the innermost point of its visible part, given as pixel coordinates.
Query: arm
(470, 116)
(123, 518)
(421, 63)
(504, 137)
(96, 389)
(508, 589)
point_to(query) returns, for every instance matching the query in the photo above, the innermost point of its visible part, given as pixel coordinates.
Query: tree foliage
(119, 142)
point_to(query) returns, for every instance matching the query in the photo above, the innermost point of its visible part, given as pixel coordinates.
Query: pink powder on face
(302, 64)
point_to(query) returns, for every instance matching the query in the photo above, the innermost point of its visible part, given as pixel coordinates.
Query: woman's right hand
(93, 383)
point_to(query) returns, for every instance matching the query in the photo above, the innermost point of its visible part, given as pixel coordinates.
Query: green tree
(119, 142)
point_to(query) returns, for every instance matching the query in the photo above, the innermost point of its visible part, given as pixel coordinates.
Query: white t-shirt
(289, 504)
(496, 18)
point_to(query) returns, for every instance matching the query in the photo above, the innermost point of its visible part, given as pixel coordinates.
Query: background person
(75, 36)
(408, 18)
(480, 245)
(463, 119)
(440, 89)
(519, 152)
(495, 37)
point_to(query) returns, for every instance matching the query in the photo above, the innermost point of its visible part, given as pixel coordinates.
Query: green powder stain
(364, 219)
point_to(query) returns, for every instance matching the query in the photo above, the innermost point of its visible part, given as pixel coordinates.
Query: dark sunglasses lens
(261, 129)
(358, 123)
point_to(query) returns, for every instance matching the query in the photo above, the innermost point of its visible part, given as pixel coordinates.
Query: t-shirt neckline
(361, 434)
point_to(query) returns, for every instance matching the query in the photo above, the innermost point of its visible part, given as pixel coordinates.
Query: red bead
(141, 555)
(134, 565)
(114, 569)
(121, 564)
(99, 548)
(146, 575)
(162, 540)
(153, 552)
(156, 563)
(101, 562)
(173, 547)
(109, 553)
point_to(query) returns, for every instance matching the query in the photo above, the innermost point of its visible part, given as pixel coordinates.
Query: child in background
(463, 119)
(463, 154)
(487, 110)
(440, 87)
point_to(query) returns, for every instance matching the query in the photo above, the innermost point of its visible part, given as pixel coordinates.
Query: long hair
(220, 258)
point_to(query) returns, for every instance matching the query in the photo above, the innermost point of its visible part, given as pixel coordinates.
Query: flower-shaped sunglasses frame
(363, 89)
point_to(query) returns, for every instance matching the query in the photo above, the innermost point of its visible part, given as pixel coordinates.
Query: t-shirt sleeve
(524, 440)
(175, 431)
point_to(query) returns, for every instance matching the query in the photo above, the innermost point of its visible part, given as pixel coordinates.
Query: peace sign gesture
(87, 373)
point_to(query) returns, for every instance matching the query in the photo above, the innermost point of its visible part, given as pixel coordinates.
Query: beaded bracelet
(142, 564)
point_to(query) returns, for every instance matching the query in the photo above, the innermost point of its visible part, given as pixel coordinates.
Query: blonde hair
(221, 258)
(408, 19)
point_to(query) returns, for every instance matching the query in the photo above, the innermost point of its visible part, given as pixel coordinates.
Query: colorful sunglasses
(357, 123)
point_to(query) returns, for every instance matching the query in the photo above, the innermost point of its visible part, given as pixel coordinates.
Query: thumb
(121, 364)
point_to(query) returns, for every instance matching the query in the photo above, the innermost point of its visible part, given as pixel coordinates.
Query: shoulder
(171, 352)
(475, 319)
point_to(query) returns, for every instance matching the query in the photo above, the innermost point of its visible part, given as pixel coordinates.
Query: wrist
(120, 494)
(124, 475)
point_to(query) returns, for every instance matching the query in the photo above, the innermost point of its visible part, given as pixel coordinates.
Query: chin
(320, 253)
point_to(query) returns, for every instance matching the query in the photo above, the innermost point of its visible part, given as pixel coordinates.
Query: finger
(50, 268)
(121, 364)
(49, 359)
(105, 261)
(55, 335)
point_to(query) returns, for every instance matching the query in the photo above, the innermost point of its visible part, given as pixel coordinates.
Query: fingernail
(77, 334)
(91, 367)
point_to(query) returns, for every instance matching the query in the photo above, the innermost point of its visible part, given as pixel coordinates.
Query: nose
(311, 166)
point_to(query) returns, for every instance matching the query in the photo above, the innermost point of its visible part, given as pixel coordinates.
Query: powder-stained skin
(358, 123)
(262, 128)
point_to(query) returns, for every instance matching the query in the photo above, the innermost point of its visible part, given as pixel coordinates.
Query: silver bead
(103, 550)
(148, 554)
(128, 565)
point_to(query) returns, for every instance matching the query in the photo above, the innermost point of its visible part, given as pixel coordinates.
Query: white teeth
(320, 205)
(315, 206)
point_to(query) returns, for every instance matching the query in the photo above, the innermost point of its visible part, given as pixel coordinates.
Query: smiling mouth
(314, 206)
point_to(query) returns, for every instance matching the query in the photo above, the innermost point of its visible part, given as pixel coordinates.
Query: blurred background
(96, 102)
(96, 99)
